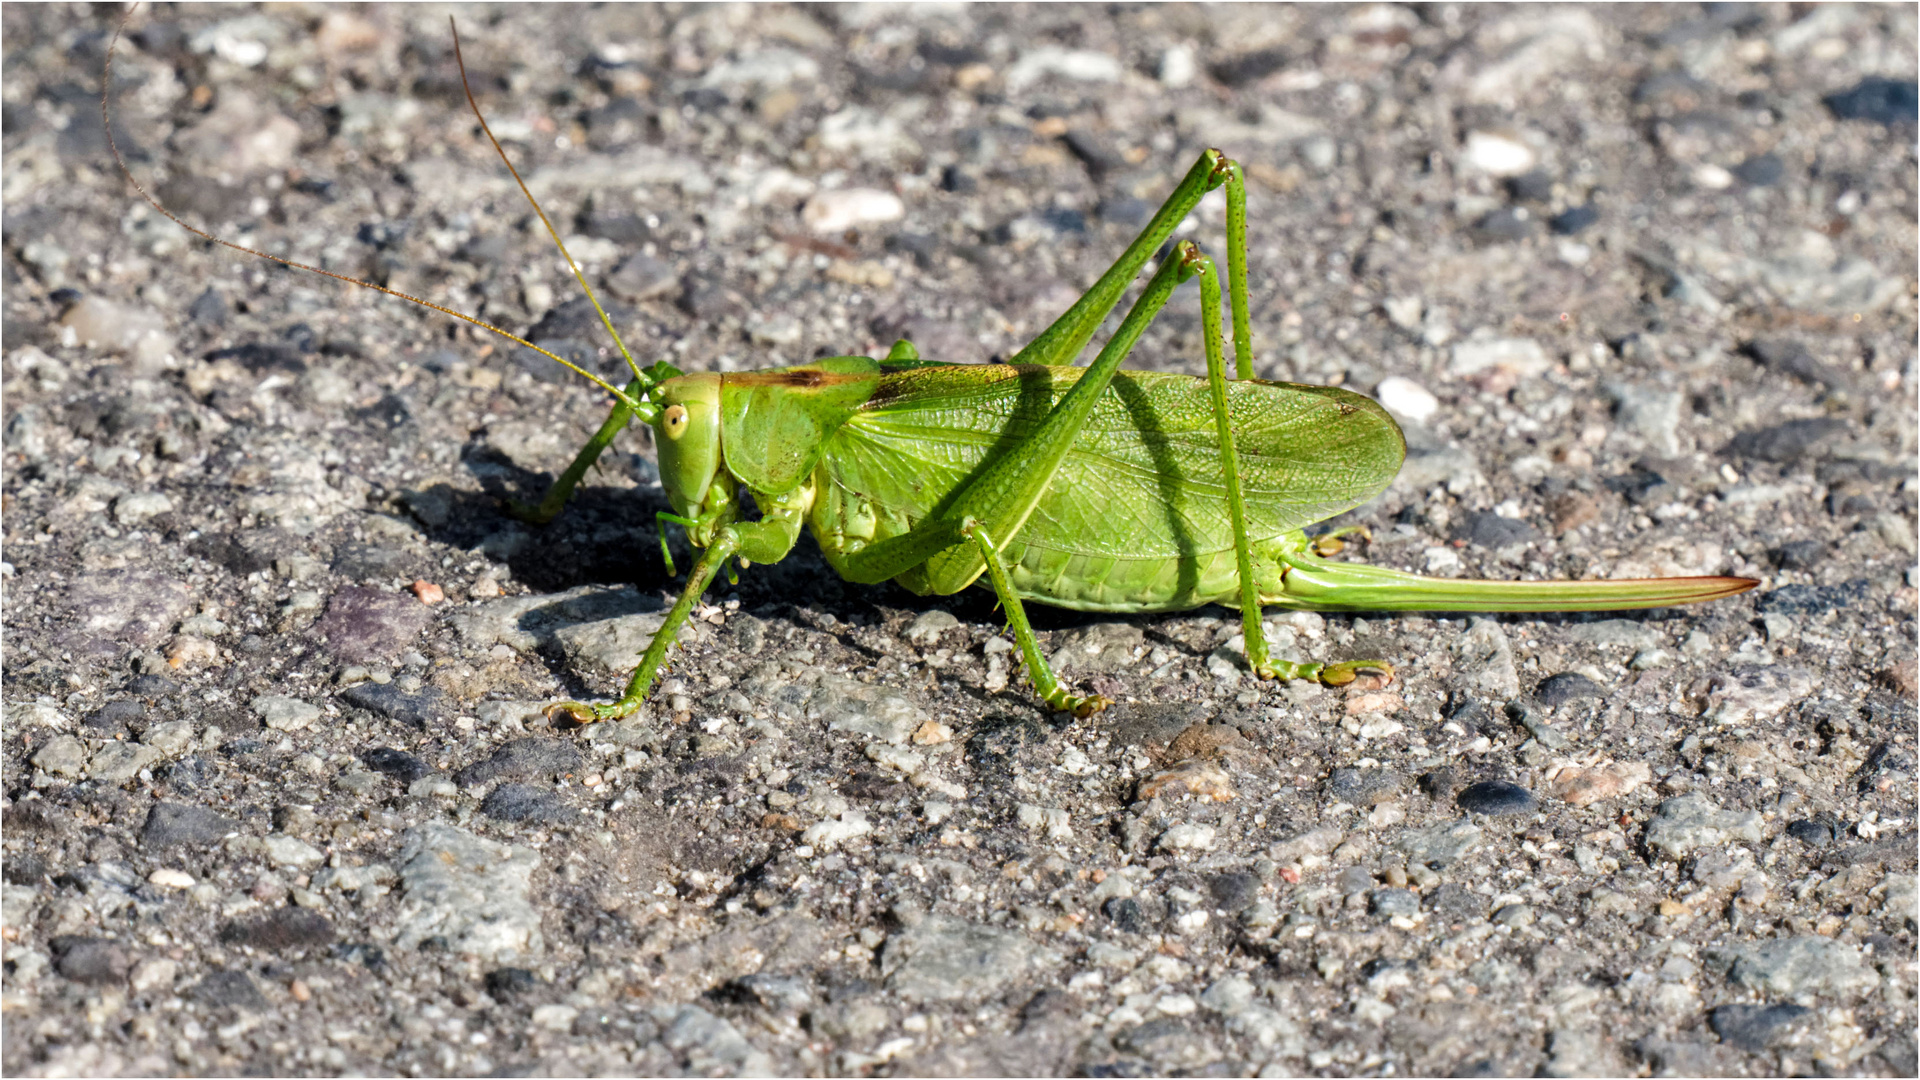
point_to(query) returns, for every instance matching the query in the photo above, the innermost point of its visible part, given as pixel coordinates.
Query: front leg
(767, 540)
(549, 507)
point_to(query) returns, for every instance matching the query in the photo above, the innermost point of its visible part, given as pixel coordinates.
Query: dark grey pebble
(1391, 902)
(1788, 442)
(242, 747)
(23, 868)
(1490, 530)
(1472, 713)
(1437, 784)
(1453, 900)
(371, 957)
(1535, 186)
(1164, 1037)
(363, 625)
(1126, 914)
(1801, 554)
(1048, 1004)
(1574, 219)
(1886, 769)
(389, 413)
(1901, 1054)
(1793, 358)
(153, 687)
(230, 552)
(1755, 1027)
(1149, 723)
(1095, 150)
(1387, 965)
(228, 988)
(188, 773)
(115, 717)
(416, 708)
(1568, 686)
(1641, 486)
(1878, 100)
(1496, 797)
(1363, 787)
(1233, 891)
(1354, 880)
(1808, 599)
(525, 802)
(1507, 224)
(1811, 833)
(509, 982)
(209, 309)
(174, 824)
(398, 764)
(95, 961)
(642, 277)
(1761, 170)
(1250, 67)
(280, 929)
(522, 758)
(261, 357)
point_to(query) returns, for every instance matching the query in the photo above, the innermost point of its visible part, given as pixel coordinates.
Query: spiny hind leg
(1252, 631)
(1045, 683)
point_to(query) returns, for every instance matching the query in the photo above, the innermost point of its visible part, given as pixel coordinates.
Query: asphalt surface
(1638, 281)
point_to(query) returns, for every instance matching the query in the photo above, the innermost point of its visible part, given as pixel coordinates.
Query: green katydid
(1096, 488)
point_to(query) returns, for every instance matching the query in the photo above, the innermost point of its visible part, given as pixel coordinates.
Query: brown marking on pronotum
(796, 378)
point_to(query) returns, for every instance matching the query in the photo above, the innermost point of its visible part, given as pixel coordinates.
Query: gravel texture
(278, 796)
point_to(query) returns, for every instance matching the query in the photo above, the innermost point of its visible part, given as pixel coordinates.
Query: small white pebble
(1177, 1005)
(1713, 177)
(1406, 398)
(837, 211)
(1179, 65)
(171, 879)
(1499, 153)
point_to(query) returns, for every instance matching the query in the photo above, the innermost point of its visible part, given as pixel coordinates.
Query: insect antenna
(467, 87)
(106, 121)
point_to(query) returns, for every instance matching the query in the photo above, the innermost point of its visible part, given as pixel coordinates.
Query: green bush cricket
(1096, 488)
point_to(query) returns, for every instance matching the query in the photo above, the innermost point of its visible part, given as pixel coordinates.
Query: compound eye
(675, 420)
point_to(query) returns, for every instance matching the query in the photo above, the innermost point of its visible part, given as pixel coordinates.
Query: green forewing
(1144, 480)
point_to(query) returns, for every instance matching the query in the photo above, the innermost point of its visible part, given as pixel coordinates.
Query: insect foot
(1326, 674)
(1344, 673)
(584, 714)
(1081, 707)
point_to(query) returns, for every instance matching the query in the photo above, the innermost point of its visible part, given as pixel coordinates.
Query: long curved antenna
(551, 231)
(106, 121)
